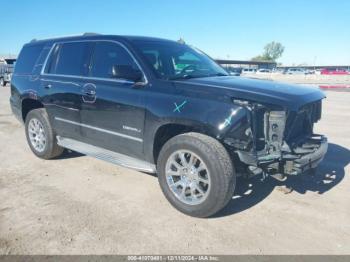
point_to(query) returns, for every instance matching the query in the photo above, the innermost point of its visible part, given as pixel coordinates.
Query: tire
(50, 149)
(2, 82)
(219, 176)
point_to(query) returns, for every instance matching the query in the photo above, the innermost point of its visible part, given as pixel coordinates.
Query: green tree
(258, 58)
(272, 51)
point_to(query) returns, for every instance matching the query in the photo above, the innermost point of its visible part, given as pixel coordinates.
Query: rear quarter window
(41, 59)
(27, 59)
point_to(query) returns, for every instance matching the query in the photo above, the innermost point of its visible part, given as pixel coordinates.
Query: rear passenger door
(62, 82)
(112, 111)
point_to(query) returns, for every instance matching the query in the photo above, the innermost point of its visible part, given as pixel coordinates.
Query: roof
(95, 36)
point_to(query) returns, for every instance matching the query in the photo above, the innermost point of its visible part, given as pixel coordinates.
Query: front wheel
(196, 174)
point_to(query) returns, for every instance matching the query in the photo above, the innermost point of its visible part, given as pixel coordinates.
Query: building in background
(246, 64)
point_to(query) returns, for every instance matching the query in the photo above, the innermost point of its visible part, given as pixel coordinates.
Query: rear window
(27, 59)
(70, 59)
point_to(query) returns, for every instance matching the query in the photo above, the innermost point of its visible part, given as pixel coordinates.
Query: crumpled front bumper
(296, 161)
(308, 161)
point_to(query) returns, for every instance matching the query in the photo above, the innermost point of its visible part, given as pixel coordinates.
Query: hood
(288, 96)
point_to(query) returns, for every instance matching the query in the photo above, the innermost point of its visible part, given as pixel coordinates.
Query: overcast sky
(311, 31)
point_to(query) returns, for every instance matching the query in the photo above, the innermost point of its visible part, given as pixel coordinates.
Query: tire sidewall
(215, 171)
(38, 114)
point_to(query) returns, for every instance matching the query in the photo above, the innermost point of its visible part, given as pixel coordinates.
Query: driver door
(112, 110)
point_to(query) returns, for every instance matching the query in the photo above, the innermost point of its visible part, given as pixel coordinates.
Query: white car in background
(318, 72)
(278, 71)
(263, 71)
(296, 71)
(246, 71)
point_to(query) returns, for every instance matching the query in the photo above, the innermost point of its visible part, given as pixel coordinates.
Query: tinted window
(106, 55)
(27, 59)
(51, 61)
(171, 60)
(71, 59)
(40, 61)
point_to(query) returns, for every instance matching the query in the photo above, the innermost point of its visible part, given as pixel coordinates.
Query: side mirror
(126, 72)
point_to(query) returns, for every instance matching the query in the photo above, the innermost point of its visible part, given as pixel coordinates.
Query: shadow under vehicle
(250, 192)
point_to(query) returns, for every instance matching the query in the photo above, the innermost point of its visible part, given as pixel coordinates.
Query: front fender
(224, 121)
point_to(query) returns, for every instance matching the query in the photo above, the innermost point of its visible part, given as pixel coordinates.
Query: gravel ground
(80, 205)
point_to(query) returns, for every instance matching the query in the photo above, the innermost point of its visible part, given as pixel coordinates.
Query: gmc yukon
(163, 107)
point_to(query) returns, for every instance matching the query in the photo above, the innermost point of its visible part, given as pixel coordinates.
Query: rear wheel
(196, 174)
(40, 136)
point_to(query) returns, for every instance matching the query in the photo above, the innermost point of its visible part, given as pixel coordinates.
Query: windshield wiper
(218, 74)
(189, 76)
(183, 77)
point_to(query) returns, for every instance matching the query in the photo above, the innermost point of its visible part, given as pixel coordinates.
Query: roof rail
(90, 33)
(83, 34)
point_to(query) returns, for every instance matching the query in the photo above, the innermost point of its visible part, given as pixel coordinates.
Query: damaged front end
(275, 141)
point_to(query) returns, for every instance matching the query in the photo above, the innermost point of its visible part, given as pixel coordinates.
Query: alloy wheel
(37, 135)
(188, 177)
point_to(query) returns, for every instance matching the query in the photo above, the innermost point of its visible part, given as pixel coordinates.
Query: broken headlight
(275, 122)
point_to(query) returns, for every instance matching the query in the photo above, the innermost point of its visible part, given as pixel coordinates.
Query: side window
(153, 58)
(106, 56)
(40, 61)
(27, 59)
(51, 61)
(71, 59)
(184, 60)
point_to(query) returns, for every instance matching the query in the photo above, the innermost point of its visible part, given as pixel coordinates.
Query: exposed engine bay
(277, 141)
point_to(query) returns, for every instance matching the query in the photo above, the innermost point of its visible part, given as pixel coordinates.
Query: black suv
(163, 107)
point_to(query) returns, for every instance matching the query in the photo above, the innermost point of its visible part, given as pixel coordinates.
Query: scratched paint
(178, 107)
(228, 121)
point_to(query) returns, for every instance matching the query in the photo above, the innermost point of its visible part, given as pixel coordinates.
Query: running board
(106, 155)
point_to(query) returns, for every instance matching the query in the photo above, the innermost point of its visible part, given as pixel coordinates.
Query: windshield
(171, 60)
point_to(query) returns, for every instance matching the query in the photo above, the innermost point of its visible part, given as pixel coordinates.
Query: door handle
(90, 92)
(48, 86)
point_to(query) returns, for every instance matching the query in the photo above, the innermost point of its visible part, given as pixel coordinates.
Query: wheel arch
(170, 130)
(29, 104)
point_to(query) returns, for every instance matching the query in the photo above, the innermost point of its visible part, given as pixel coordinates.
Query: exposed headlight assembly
(275, 122)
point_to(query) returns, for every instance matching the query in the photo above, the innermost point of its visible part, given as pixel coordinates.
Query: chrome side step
(106, 155)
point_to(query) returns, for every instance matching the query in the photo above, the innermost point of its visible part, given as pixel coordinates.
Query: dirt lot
(80, 205)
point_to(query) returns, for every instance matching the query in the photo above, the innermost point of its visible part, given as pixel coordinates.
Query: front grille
(300, 124)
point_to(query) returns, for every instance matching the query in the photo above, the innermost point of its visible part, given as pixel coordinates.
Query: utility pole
(315, 57)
